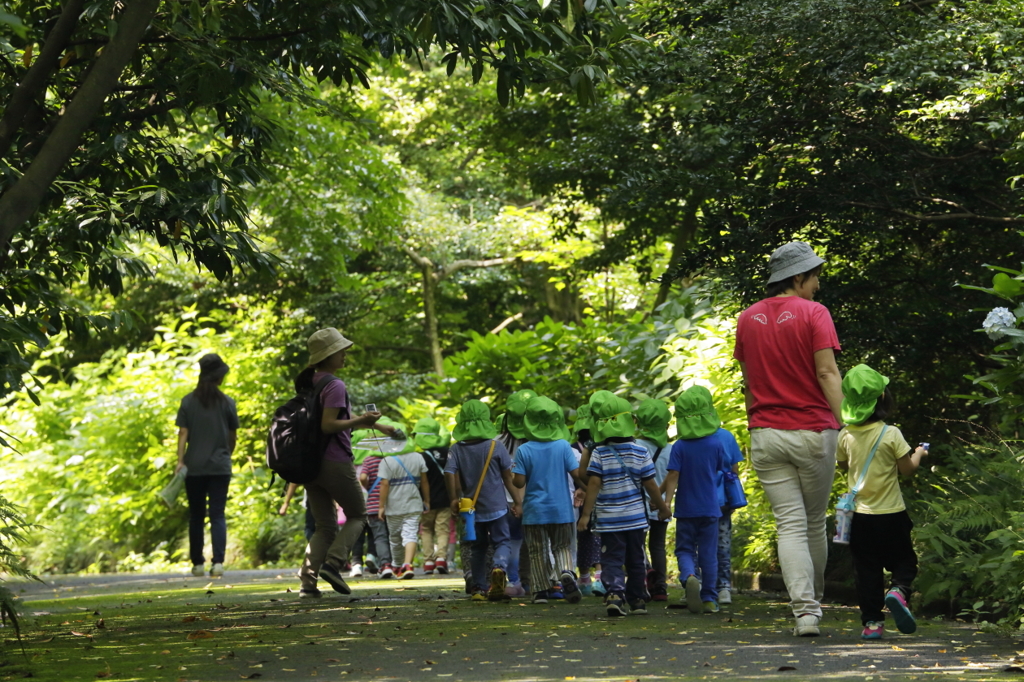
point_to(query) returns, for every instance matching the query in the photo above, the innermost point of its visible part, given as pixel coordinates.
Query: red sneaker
(406, 572)
(428, 567)
(441, 567)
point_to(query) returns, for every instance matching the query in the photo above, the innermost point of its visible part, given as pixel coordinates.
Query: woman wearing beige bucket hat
(786, 347)
(337, 481)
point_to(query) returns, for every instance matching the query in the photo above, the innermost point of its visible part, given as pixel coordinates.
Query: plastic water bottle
(844, 519)
(468, 514)
(844, 522)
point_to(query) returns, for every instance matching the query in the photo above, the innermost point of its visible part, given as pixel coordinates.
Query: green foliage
(969, 530)
(1001, 383)
(184, 136)
(94, 454)
(14, 531)
(886, 134)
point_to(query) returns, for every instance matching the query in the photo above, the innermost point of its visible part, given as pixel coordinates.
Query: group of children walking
(549, 507)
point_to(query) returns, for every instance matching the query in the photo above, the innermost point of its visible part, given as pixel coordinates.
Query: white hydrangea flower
(997, 321)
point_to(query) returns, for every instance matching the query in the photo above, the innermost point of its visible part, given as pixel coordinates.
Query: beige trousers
(435, 532)
(796, 469)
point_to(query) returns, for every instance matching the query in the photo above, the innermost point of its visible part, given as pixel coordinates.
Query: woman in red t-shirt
(786, 347)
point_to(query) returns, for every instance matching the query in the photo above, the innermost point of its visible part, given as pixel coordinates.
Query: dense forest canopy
(484, 196)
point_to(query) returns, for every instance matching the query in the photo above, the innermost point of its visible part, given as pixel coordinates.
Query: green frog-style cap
(584, 421)
(544, 420)
(862, 387)
(612, 415)
(696, 415)
(474, 422)
(428, 434)
(652, 418)
(515, 408)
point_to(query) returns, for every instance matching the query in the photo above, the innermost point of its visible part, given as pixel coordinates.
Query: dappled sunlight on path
(252, 624)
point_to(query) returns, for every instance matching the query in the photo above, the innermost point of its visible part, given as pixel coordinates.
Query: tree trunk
(430, 314)
(21, 201)
(681, 240)
(34, 82)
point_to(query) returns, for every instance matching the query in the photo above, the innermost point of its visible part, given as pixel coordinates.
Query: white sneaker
(806, 626)
(356, 571)
(724, 596)
(198, 571)
(217, 570)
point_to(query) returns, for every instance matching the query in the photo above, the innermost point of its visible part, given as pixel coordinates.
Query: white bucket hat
(791, 259)
(325, 343)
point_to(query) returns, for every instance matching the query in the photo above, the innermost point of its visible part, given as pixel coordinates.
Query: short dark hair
(884, 407)
(784, 285)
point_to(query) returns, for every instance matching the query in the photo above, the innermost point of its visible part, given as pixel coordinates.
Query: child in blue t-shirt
(620, 469)
(540, 466)
(702, 454)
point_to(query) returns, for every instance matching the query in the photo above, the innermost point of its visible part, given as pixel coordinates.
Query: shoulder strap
(431, 458)
(373, 487)
(406, 469)
(626, 469)
(657, 453)
(864, 471)
(322, 384)
(483, 474)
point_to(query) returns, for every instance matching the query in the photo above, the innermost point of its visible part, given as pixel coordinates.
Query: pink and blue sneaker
(897, 603)
(873, 630)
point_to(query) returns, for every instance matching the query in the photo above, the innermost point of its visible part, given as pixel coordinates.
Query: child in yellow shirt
(880, 534)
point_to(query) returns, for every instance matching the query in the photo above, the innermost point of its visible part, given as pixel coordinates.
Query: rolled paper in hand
(169, 495)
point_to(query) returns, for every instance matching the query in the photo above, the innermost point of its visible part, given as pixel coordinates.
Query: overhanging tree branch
(19, 203)
(940, 217)
(34, 82)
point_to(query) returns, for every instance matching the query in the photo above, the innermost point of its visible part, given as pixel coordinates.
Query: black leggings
(199, 489)
(881, 542)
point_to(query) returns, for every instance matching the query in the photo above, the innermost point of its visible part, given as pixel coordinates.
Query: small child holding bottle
(880, 533)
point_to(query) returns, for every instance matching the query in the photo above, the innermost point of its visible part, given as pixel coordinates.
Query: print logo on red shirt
(760, 317)
(785, 316)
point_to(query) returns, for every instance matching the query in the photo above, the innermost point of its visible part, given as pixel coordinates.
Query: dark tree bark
(22, 200)
(34, 83)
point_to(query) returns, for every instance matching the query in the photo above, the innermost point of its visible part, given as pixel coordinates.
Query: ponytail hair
(304, 380)
(208, 392)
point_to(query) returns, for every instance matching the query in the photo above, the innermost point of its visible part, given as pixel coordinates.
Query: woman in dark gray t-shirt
(207, 426)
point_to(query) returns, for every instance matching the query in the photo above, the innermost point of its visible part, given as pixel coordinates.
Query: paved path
(426, 629)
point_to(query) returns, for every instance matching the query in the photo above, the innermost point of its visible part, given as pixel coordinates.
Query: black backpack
(296, 444)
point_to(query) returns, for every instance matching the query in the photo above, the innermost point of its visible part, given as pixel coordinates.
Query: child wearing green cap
(480, 461)
(404, 496)
(540, 467)
(703, 453)
(588, 543)
(513, 434)
(652, 418)
(432, 441)
(872, 451)
(620, 470)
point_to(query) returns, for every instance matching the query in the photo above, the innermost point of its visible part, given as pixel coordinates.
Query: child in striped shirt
(620, 470)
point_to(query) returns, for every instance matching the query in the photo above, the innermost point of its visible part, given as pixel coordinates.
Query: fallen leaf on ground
(200, 634)
(689, 641)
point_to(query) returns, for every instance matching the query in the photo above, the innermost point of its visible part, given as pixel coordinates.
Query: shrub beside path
(252, 625)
